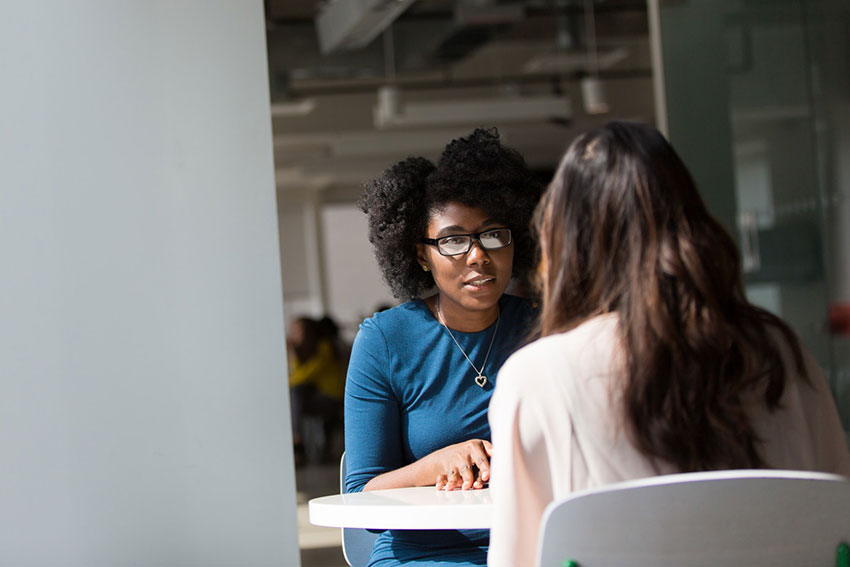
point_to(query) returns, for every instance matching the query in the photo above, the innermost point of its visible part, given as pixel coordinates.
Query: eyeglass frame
(474, 236)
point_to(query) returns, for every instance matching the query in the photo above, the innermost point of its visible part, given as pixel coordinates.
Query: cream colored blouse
(556, 428)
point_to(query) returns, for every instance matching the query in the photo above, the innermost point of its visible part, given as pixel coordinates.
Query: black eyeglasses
(455, 244)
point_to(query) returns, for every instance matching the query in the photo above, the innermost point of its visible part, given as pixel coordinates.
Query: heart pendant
(481, 380)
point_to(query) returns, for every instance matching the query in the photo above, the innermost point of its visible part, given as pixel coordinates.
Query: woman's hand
(462, 465)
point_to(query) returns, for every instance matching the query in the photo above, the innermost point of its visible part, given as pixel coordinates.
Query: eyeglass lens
(461, 243)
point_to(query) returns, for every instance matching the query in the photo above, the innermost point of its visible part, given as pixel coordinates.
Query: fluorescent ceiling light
(391, 113)
(293, 108)
(593, 96)
(572, 61)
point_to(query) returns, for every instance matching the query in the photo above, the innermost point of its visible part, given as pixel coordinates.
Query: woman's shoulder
(594, 331)
(592, 343)
(382, 337)
(553, 372)
(401, 318)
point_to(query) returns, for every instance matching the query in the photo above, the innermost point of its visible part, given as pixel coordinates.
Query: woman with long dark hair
(651, 359)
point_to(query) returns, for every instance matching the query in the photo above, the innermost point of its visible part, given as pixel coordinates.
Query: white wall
(143, 401)
(300, 256)
(354, 282)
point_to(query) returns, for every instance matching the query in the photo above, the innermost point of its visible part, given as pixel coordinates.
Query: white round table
(414, 508)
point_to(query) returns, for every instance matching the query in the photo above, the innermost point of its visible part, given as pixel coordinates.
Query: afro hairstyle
(476, 171)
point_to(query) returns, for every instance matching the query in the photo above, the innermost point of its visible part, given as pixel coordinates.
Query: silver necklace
(481, 380)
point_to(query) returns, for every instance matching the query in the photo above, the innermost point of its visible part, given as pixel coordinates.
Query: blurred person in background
(316, 381)
(329, 330)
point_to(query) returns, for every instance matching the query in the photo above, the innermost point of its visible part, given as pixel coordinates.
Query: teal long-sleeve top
(410, 392)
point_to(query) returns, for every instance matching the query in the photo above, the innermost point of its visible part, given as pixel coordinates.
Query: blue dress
(409, 392)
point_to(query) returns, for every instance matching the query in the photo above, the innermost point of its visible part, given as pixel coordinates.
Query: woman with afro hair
(449, 238)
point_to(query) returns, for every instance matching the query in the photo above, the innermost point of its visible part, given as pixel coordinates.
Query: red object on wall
(839, 318)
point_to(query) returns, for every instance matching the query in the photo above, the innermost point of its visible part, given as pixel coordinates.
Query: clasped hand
(463, 465)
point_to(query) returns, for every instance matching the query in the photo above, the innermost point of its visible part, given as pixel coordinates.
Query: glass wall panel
(827, 33)
(758, 106)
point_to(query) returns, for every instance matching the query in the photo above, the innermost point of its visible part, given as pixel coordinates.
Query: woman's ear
(420, 257)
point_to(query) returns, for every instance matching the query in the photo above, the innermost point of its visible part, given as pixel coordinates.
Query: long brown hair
(623, 229)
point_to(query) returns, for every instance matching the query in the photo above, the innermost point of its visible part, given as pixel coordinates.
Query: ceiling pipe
(592, 89)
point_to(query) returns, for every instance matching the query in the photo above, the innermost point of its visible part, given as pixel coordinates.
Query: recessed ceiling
(435, 52)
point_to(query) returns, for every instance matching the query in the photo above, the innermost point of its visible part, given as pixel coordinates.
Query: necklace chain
(481, 380)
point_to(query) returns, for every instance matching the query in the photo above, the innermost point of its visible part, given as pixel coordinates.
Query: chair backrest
(356, 543)
(744, 517)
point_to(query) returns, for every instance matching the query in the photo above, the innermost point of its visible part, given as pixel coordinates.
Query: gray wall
(143, 399)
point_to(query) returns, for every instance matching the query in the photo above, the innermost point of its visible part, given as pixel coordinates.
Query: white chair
(356, 543)
(752, 518)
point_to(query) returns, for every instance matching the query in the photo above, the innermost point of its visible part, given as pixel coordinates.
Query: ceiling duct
(568, 57)
(390, 112)
(351, 24)
(472, 25)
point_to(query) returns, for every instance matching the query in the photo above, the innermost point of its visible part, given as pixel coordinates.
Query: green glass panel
(758, 105)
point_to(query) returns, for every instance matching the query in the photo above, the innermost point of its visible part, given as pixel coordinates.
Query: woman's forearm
(463, 465)
(414, 474)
